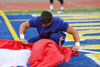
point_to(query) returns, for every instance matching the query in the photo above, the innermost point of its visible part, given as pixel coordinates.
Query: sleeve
(63, 25)
(33, 22)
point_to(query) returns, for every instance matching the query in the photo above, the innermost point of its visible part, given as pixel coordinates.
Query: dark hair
(45, 17)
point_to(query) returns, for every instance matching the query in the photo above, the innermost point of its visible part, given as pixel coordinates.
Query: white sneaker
(61, 11)
(51, 11)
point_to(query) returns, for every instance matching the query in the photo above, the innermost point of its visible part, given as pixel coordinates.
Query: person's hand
(25, 42)
(75, 48)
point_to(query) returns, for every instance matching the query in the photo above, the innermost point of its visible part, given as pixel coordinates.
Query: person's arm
(75, 35)
(22, 30)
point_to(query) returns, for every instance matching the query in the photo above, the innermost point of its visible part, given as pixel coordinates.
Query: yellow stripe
(78, 15)
(82, 24)
(91, 47)
(90, 37)
(81, 17)
(70, 37)
(90, 31)
(97, 14)
(86, 27)
(81, 20)
(96, 55)
(9, 26)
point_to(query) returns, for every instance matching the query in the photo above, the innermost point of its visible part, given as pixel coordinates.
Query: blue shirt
(57, 26)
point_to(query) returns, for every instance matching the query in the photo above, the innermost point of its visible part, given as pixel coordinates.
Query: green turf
(66, 11)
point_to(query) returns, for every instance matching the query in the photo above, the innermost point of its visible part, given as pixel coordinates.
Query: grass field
(66, 11)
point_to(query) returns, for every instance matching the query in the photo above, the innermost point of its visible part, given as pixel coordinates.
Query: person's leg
(51, 5)
(51, 1)
(34, 39)
(61, 2)
(61, 8)
(58, 38)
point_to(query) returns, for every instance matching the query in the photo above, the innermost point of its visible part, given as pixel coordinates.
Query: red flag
(45, 53)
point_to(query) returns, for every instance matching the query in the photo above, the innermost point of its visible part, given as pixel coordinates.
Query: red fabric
(67, 52)
(14, 45)
(45, 52)
(75, 53)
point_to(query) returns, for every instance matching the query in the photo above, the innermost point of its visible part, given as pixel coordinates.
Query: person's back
(57, 26)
